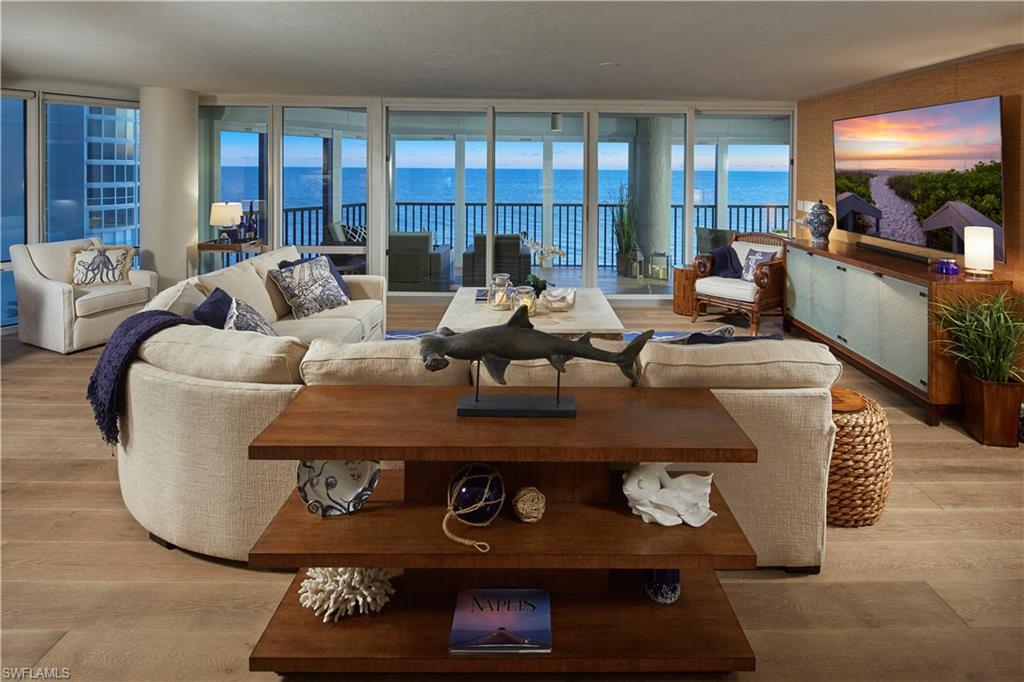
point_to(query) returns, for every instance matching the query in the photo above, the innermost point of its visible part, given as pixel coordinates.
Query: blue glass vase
(661, 585)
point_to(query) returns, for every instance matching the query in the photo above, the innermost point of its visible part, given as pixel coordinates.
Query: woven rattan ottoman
(861, 468)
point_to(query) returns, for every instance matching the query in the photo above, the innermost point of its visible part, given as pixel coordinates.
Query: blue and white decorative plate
(336, 487)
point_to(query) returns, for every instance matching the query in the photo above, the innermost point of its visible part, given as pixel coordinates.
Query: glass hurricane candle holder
(498, 295)
(524, 296)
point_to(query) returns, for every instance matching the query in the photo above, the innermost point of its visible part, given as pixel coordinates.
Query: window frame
(45, 98)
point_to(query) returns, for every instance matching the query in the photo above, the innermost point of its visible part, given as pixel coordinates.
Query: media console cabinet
(875, 310)
(589, 551)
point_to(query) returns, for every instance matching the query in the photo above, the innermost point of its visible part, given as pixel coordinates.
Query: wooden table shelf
(619, 632)
(571, 535)
(587, 551)
(419, 424)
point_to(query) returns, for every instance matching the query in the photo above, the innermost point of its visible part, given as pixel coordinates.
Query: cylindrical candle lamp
(979, 250)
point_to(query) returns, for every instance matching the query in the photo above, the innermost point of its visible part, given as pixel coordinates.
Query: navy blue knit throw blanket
(106, 385)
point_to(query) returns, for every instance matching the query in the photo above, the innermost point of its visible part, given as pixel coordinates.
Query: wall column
(169, 182)
(654, 184)
(459, 219)
(547, 237)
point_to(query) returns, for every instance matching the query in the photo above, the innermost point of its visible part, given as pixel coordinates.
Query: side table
(227, 250)
(682, 290)
(861, 467)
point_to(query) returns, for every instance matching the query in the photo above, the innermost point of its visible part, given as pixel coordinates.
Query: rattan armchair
(767, 292)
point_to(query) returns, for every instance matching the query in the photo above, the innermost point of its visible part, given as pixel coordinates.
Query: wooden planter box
(992, 410)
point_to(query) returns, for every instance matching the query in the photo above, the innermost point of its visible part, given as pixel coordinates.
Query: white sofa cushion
(726, 287)
(309, 329)
(368, 312)
(225, 355)
(753, 364)
(241, 281)
(180, 299)
(268, 261)
(377, 362)
(96, 299)
(578, 371)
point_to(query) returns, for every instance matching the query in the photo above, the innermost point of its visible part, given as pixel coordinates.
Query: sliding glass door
(743, 176)
(13, 119)
(641, 211)
(233, 155)
(538, 197)
(324, 184)
(438, 199)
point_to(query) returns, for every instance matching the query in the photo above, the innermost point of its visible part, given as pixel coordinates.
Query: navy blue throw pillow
(725, 262)
(285, 264)
(698, 339)
(213, 312)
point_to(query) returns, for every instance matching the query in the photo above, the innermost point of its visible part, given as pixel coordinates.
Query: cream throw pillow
(241, 281)
(100, 265)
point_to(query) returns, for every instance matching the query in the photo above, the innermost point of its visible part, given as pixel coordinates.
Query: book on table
(501, 621)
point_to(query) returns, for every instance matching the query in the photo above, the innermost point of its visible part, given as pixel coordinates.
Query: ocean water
(304, 186)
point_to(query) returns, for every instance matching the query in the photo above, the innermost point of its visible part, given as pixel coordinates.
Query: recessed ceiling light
(608, 64)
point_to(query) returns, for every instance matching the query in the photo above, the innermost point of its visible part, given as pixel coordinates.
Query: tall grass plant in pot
(985, 337)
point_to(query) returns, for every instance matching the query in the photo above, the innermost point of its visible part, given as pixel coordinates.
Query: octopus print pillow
(309, 287)
(99, 265)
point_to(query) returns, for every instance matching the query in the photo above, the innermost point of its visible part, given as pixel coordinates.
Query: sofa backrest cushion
(241, 281)
(578, 371)
(754, 365)
(416, 242)
(53, 259)
(180, 299)
(268, 261)
(376, 363)
(225, 355)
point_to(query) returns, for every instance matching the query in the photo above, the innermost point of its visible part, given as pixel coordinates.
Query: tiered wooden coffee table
(588, 550)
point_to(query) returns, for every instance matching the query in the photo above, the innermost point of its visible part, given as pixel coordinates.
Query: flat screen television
(919, 176)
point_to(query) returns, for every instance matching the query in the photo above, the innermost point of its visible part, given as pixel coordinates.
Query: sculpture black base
(511, 405)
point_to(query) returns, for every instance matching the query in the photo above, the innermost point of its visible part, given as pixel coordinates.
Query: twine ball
(528, 504)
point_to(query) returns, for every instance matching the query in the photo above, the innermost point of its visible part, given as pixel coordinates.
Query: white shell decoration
(333, 593)
(655, 496)
(558, 299)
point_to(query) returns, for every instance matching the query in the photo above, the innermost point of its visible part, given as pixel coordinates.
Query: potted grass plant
(627, 258)
(984, 335)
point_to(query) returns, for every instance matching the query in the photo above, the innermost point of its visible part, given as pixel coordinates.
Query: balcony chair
(766, 292)
(58, 316)
(511, 255)
(340, 234)
(415, 264)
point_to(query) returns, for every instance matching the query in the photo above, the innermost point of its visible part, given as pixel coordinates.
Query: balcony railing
(303, 226)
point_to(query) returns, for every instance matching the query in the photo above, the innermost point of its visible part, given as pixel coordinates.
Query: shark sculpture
(497, 346)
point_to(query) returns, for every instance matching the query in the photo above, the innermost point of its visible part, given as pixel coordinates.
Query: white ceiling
(681, 50)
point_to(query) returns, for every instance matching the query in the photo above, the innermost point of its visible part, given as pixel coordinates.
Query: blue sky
(240, 149)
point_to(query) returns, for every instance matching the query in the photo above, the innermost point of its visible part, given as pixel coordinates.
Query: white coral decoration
(338, 592)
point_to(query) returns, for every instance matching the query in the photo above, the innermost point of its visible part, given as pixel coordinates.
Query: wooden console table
(588, 550)
(226, 249)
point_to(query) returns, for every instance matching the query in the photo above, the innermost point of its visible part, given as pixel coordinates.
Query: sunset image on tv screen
(920, 176)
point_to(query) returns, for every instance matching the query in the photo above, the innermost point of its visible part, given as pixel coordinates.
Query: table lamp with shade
(979, 251)
(226, 215)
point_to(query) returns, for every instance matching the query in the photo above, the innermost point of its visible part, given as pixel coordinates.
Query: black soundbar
(917, 258)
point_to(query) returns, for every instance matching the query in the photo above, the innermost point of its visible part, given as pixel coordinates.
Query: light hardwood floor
(932, 592)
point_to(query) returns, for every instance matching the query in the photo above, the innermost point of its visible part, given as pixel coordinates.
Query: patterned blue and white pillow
(753, 259)
(309, 287)
(243, 317)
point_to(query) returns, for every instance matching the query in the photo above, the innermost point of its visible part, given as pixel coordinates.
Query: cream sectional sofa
(198, 396)
(363, 319)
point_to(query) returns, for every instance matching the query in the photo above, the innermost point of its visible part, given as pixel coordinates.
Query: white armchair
(55, 315)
